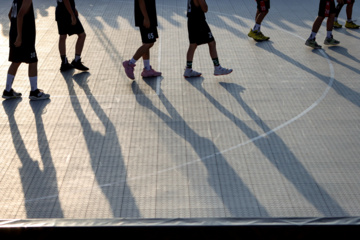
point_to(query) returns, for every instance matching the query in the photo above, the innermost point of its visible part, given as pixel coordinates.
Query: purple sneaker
(129, 69)
(150, 73)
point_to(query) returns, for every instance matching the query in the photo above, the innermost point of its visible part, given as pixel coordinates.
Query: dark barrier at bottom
(298, 228)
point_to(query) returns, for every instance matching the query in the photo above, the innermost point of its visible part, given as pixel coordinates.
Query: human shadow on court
(285, 161)
(105, 151)
(208, 154)
(40, 187)
(343, 90)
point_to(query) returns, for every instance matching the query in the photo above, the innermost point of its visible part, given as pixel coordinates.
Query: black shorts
(149, 35)
(199, 32)
(65, 27)
(263, 5)
(326, 8)
(23, 54)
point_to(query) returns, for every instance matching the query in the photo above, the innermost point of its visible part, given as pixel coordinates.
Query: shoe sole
(193, 76)
(223, 74)
(8, 98)
(38, 99)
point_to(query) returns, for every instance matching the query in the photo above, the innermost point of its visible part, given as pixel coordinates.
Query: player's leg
(78, 51)
(9, 92)
(261, 12)
(329, 40)
(189, 72)
(65, 65)
(338, 10)
(218, 69)
(35, 93)
(349, 22)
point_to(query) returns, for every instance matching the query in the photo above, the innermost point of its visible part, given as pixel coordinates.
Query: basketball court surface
(277, 138)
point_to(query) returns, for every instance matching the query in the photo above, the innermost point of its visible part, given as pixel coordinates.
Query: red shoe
(150, 73)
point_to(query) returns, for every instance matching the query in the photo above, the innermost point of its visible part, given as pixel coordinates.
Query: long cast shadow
(343, 90)
(109, 168)
(207, 156)
(286, 162)
(39, 186)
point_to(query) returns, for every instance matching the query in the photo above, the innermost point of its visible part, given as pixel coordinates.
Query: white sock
(312, 35)
(349, 20)
(132, 61)
(256, 27)
(33, 83)
(9, 81)
(147, 64)
(335, 19)
(329, 34)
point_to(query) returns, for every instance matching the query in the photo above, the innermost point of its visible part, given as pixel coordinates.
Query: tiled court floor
(279, 137)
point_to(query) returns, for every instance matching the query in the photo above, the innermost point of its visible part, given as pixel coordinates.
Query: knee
(82, 36)
(63, 37)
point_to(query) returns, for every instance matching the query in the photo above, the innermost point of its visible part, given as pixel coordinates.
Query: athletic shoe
(312, 43)
(79, 66)
(38, 94)
(222, 71)
(351, 25)
(129, 69)
(257, 35)
(11, 94)
(66, 66)
(191, 73)
(331, 41)
(337, 25)
(150, 73)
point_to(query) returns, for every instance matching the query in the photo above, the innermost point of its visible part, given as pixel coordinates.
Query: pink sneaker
(150, 73)
(129, 69)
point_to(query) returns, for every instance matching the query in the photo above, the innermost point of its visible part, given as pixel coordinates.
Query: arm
(144, 13)
(20, 19)
(68, 7)
(202, 4)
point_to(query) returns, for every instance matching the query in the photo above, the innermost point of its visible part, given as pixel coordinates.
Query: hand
(73, 20)
(146, 23)
(18, 42)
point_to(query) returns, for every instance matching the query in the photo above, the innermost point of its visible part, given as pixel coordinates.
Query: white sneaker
(191, 73)
(222, 71)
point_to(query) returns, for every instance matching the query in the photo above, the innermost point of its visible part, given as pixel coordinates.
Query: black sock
(189, 64)
(63, 59)
(216, 61)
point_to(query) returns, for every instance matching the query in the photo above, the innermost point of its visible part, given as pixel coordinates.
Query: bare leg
(13, 68)
(143, 51)
(191, 52)
(212, 49)
(62, 45)
(80, 43)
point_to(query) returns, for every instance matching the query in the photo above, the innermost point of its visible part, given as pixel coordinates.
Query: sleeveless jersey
(62, 12)
(195, 12)
(151, 11)
(28, 28)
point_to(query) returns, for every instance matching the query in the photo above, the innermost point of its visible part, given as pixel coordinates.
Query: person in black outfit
(68, 22)
(200, 33)
(146, 20)
(22, 49)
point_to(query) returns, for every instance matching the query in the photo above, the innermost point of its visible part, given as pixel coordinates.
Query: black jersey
(28, 28)
(151, 11)
(62, 12)
(195, 12)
